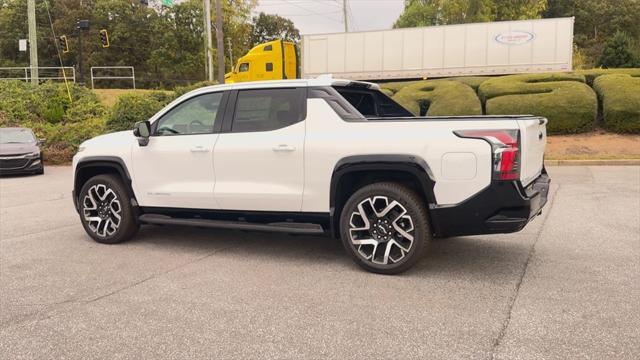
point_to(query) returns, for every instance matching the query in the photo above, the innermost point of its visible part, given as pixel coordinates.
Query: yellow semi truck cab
(273, 60)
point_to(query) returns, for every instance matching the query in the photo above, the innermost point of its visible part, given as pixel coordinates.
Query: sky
(325, 16)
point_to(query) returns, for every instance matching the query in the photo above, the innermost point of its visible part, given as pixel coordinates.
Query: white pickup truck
(319, 156)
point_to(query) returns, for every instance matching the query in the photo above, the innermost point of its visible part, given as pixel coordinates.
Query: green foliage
(591, 74)
(131, 108)
(569, 104)
(473, 81)
(47, 110)
(596, 21)
(617, 53)
(439, 98)
(267, 27)
(620, 98)
(165, 45)
(181, 90)
(445, 12)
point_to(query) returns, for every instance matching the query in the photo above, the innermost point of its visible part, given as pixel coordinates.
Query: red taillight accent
(505, 148)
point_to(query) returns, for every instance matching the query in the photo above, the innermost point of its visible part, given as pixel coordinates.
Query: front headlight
(34, 155)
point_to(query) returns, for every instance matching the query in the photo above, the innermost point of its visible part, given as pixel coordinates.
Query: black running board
(286, 227)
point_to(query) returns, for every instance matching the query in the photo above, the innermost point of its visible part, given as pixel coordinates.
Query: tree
(267, 27)
(617, 53)
(596, 21)
(445, 12)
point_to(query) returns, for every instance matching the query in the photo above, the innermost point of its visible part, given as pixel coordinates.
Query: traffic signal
(64, 45)
(104, 38)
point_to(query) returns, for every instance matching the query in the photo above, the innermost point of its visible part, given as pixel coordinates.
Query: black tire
(40, 171)
(406, 251)
(103, 231)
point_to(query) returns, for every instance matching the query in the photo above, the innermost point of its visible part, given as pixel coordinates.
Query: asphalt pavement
(567, 286)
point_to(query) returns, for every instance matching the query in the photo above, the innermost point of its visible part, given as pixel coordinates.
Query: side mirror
(42, 141)
(142, 130)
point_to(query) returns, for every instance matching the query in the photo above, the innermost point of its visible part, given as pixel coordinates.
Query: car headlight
(34, 155)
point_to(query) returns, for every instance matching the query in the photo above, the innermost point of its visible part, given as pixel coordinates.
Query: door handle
(199, 149)
(284, 147)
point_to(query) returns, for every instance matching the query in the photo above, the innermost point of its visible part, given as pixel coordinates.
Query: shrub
(394, 87)
(181, 90)
(473, 81)
(569, 104)
(619, 95)
(439, 97)
(617, 52)
(591, 74)
(131, 108)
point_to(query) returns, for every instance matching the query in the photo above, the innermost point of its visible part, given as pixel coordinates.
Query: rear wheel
(384, 227)
(105, 210)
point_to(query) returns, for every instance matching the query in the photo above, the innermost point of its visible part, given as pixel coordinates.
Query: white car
(318, 156)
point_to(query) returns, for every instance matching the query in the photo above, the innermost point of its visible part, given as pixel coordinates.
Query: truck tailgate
(533, 137)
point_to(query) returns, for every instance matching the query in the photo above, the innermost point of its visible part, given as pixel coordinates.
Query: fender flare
(411, 164)
(113, 162)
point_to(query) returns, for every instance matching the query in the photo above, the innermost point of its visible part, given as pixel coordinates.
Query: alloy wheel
(381, 230)
(102, 210)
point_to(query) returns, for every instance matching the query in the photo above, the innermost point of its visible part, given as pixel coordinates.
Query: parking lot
(568, 286)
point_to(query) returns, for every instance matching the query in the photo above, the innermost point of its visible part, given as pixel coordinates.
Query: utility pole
(230, 52)
(344, 16)
(33, 41)
(209, 43)
(220, 42)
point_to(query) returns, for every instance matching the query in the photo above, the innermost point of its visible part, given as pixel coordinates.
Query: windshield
(16, 136)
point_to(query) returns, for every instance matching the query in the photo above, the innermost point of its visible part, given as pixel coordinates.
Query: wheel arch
(99, 165)
(353, 172)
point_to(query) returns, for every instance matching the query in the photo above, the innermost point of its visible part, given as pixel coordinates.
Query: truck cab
(273, 60)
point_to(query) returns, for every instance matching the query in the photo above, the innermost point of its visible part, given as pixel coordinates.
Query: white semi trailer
(492, 48)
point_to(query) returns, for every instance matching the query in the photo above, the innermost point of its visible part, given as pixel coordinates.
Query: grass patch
(619, 95)
(108, 97)
(565, 99)
(439, 98)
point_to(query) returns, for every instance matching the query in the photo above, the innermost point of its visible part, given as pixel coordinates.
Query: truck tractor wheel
(105, 210)
(384, 227)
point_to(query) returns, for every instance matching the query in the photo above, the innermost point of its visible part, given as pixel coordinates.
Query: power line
(311, 12)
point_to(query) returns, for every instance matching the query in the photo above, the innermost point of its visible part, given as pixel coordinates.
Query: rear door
(533, 139)
(258, 157)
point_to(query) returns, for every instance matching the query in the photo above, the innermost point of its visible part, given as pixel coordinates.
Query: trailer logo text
(515, 37)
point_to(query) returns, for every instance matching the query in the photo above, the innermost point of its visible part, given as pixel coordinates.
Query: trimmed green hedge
(439, 98)
(619, 95)
(570, 105)
(473, 81)
(592, 74)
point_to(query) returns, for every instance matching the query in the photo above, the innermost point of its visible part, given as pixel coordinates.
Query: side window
(269, 67)
(268, 48)
(193, 116)
(268, 109)
(243, 67)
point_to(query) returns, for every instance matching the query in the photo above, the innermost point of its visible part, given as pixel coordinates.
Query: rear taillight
(505, 147)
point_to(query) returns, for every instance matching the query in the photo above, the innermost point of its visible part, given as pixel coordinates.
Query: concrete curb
(603, 162)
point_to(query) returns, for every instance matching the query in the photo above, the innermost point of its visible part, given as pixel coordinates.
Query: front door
(176, 168)
(258, 158)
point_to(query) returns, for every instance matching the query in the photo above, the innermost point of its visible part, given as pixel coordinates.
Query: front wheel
(384, 227)
(105, 210)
